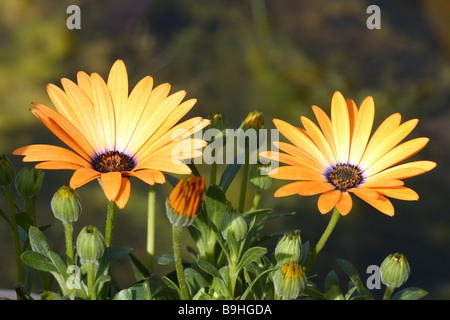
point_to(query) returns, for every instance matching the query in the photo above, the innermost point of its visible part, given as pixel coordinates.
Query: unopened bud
(28, 181)
(395, 270)
(66, 205)
(6, 171)
(90, 244)
(233, 225)
(259, 178)
(289, 248)
(254, 120)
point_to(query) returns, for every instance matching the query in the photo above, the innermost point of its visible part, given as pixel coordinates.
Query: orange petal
(43, 152)
(57, 165)
(288, 189)
(301, 141)
(82, 176)
(345, 203)
(149, 176)
(380, 202)
(111, 182)
(382, 183)
(164, 164)
(396, 155)
(352, 115)
(404, 171)
(325, 125)
(402, 193)
(340, 124)
(319, 139)
(302, 156)
(362, 129)
(309, 188)
(295, 173)
(328, 200)
(124, 193)
(118, 85)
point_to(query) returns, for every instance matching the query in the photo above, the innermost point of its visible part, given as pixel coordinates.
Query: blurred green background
(279, 57)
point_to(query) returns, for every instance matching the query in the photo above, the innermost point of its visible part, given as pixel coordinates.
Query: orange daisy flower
(114, 134)
(339, 157)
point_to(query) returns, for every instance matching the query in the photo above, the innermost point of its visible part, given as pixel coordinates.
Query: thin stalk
(244, 180)
(256, 200)
(91, 279)
(15, 234)
(69, 242)
(110, 218)
(176, 230)
(388, 293)
(151, 204)
(213, 172)
(323, 239)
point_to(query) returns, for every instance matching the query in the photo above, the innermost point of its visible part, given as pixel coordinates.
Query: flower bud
(289, 280)
(90, 244)
(184, 201)
(66, 205)
(254, 120)
(394, 270)
(28, 181)
(259, 176)
(6, 171)
(289, 248)
(233, 225)
(218, 122)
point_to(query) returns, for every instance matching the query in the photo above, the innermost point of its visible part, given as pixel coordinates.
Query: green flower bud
(90, 244)
(395, 270)
(259, 178)
(66, 205)
(289, 248)
(233, 225)
(6, 171)
(28, 181)
(218, 122)
(289, 280)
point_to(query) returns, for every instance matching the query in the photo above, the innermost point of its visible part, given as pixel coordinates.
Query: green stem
(331, 224)
(256, 199)
(243, 187)
(388, 293)
(15, 234)
(151, 227)
(176, 230)
(91, 278)
(111, 216)
(69, 242)
(213, 174)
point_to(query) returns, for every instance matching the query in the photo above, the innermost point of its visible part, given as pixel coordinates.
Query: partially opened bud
(289, 248)
(395, 270)
(29, 180)
(218, 122)
(233, 225)
(184, 201)
(6, 171)
(254, 120)
(289, 280)
(66, 205)
(90, 244)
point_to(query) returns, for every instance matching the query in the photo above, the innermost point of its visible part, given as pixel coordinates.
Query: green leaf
(48, 295)
(249, 288)
(59, 264)
(140, 270)
(125, 294)
(115, 253)
(38, 241)
(165, 259)
(201, 295)
(194, 280)
(228, 175)
(251, 255)
(171, 285)
(332, 290)
(209, 268)
(411, 293)
(215, 203)
(353, 274)
(38, 261)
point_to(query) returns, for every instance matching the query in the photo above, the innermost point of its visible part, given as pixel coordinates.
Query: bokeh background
(279, 57)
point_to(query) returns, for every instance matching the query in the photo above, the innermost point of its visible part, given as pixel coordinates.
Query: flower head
(339, 157)
(184, 201)
(115, 134)
(395, 270)
(289, 280)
